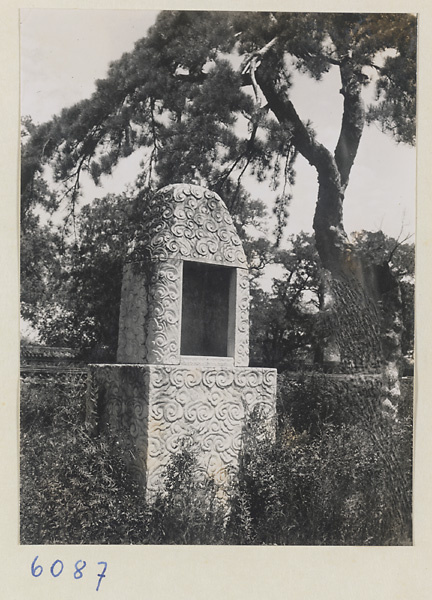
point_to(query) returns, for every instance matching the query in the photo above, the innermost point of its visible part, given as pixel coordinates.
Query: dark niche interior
(205, 309)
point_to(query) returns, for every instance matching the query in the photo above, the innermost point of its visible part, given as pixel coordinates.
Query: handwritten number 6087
(57, 569)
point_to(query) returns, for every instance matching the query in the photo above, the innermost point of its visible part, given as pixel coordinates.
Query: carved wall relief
(241, 349)
(188, 222)
(153, 408)
(163, 334)
(150, 308)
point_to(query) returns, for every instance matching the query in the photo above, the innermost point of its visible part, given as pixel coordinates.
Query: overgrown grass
(339, 472)
(74, 488)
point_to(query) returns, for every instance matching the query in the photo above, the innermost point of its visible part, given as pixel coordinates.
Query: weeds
(346, 480)
(338, 472)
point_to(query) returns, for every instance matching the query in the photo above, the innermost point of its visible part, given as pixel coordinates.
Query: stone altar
(183, 352)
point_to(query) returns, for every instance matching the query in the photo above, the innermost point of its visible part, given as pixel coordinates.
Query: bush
(338, 472)
(344, 479)
(74, 488)
(190, 509)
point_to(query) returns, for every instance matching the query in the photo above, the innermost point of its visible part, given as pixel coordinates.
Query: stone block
(152, 409)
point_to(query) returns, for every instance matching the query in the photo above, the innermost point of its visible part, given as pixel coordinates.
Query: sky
(63, 52)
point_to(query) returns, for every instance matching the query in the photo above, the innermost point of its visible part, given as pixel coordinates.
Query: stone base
(153, 409)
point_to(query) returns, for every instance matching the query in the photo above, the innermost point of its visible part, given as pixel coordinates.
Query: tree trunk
(360, 317)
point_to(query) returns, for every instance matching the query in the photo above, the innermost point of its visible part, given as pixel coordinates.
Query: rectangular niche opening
(205, 309)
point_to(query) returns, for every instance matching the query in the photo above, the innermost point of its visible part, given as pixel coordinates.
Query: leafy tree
(282, 322)
(377, 248)
(35, 192)
(41, 261)
(87, 315)
(207, 95)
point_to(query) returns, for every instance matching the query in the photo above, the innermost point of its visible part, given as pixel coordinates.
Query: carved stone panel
(188, 222)
(154, 408)
(163, 334)
(149, 327)
(241, 356)
(117, 406)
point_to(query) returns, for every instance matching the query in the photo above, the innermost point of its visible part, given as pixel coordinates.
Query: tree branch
(353, 120)
(315, 153)
(331, 239)
(247, 153)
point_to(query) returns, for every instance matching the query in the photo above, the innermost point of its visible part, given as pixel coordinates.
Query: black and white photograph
(217, 276)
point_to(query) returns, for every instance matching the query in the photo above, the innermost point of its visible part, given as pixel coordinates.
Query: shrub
(338, 472)
(74, 488)
(334, 482)
(190, 509)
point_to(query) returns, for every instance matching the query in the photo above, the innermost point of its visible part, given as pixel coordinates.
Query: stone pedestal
(153, 409)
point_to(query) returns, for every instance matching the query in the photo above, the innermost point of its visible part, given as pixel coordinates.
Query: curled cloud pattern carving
(163, 336)
(155, 407)
(242, 318)
(188, 222)
(133, 315)
(149, 329)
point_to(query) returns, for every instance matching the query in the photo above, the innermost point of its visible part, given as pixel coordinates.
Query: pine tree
(207, 96)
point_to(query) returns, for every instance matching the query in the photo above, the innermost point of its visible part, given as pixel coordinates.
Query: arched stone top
(188, 222)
